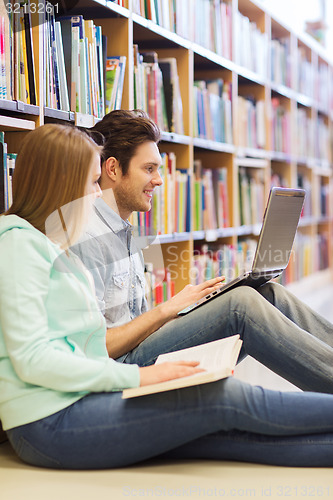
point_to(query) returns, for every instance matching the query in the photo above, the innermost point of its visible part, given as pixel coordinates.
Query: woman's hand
(189, 295)
(168, 371)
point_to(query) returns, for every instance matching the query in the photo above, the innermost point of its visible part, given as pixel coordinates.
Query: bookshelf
(274, 90)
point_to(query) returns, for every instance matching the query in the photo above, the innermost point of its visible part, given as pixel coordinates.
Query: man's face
(134, 191)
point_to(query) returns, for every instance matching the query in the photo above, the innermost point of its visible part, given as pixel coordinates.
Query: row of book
(210, 23)
(74, 65)
(211, 201)
(305, 139)
(280, 127)
(251, 46)
(7, 166)
(322, 85)
(304, 182)
(313, 136)
(157, 90)
(318, 206)
(251, 196)
(211, 260)
(305, 73)
(280, 61)
(159, 287)
(251, 126)
(114, 82)
(325, 192)
(18, 78)
(310, 254)
(323, 140)
(311, 81)
(212, 116)
(3, 68)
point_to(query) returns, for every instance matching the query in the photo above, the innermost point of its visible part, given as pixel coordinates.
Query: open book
(217, 358)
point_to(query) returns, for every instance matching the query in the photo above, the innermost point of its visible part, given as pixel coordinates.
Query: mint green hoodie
(52, 334)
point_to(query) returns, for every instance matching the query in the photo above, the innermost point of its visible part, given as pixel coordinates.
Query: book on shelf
(221, 196)
(182, 201)
(172, 95)
(212, 110)
(251, 129)
(160, 287)
(251, 197)
(211, 205)
(74, 65)
(115, 71)
(18, 72)
(280, 61)
(7, 166)
(3, 172)
(217, 358)
(30, 54)
(280, 127)
(6, 38)
(148, 86)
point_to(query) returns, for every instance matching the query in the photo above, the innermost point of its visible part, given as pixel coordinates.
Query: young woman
(60, 398)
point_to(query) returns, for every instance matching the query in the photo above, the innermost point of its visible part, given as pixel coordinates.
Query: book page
(217, 358)
(212, 356)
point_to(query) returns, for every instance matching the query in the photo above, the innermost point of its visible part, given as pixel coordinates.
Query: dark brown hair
(121, 132)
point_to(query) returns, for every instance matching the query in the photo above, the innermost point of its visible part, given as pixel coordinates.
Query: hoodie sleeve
(25, 270)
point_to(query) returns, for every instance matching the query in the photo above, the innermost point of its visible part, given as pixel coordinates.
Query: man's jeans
(277, 329)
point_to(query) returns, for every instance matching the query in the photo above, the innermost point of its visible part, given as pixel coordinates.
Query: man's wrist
(165, 311)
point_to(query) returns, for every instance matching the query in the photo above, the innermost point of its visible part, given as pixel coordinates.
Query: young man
(276, 328)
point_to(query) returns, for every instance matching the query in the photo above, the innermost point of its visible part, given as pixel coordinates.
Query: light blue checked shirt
(110, 252)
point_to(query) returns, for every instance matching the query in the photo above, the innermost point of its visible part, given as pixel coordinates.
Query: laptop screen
(278, 230)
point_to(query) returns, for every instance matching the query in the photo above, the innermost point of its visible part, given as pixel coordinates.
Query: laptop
(277, 234)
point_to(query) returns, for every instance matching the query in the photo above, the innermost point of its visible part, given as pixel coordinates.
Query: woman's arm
(32, 295)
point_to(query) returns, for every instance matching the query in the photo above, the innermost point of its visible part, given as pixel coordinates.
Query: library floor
(188, 479)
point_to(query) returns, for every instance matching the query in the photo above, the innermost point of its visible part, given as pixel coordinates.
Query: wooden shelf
(10, 124)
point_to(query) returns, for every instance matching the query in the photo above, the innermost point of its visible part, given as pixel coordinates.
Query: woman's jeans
(277, 329)
(225, 420)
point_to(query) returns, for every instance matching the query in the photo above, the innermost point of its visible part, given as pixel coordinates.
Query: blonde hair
(51, 172)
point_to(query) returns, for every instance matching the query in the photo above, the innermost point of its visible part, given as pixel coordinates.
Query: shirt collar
(110, 217)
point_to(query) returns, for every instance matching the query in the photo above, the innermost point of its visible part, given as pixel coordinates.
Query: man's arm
(124, 338)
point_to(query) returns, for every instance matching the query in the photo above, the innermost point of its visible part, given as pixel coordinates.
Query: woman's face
(65, 224)
(92, 186)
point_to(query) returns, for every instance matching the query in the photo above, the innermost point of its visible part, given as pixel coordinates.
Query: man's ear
(112, 168)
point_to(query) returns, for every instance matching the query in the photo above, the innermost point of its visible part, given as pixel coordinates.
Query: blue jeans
(224, 420)
(227, 420)
(277, 329)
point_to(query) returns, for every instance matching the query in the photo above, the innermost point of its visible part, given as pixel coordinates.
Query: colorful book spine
(251, 131)
(251, 196)
(157, 90)
(160, 287)
(212, 260)
(280, 127)
(213, 116)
